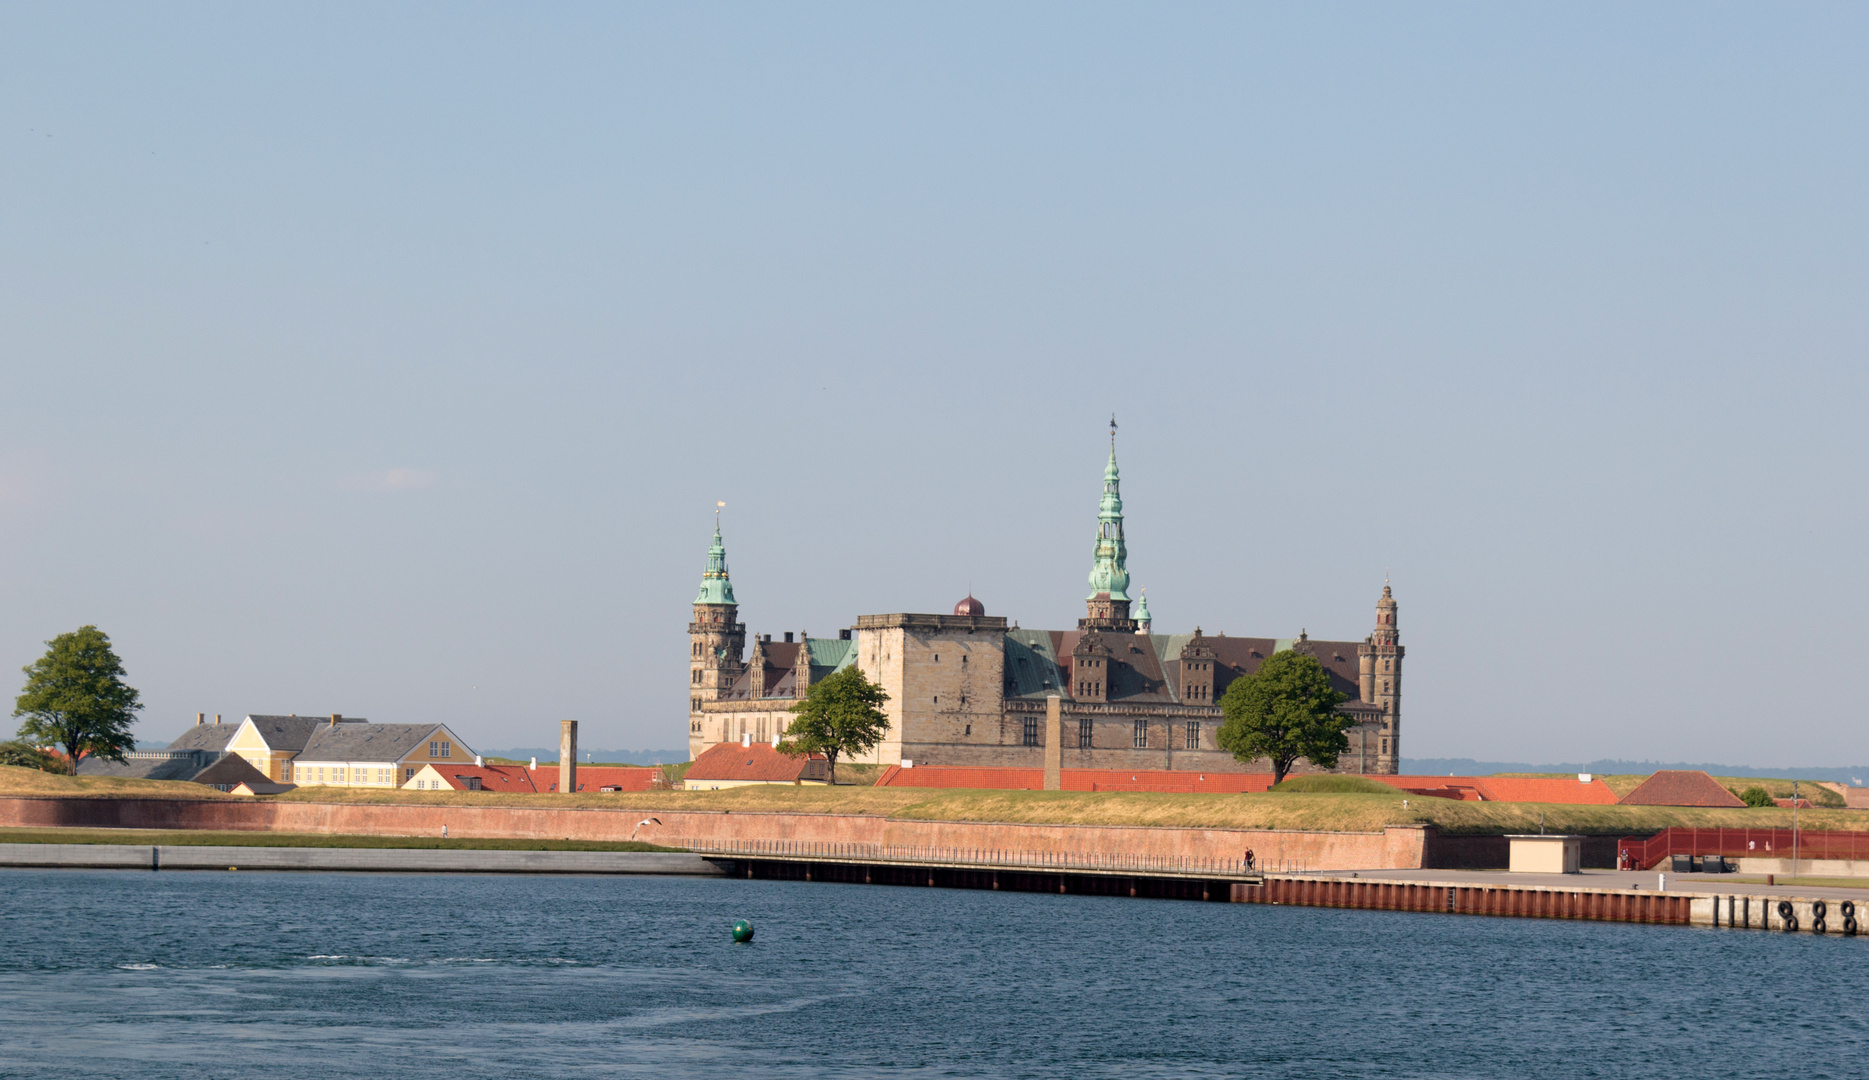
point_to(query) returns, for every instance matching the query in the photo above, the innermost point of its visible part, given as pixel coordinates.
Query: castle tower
(1379, 667)
(1143, 622)
(716, 638)
(1107, 606)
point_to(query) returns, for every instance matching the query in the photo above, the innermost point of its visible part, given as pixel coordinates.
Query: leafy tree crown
(1285, 711)
(840, 716)
(75, 697)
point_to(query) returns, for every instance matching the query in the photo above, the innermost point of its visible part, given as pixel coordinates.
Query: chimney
(201, 718)
(335, 717)
(567, 756)
(217, 718)
(788, 636)
(477, 761)
(775, 740)
(535, 764)
(844, 634)
(746, 738)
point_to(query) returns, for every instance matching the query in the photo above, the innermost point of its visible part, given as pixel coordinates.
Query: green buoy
(742, 932)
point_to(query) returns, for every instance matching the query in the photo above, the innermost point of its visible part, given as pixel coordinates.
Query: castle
(967, 690)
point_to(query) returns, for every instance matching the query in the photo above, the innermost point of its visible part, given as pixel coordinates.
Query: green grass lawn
(203, 838)
(1328, 811)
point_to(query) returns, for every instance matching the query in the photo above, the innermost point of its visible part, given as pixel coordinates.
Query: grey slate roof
(151, 765)
(214, 737)
(371, 742)
(289, 733)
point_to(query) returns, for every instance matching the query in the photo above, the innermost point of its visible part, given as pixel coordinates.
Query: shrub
(1337, 784)
(31, 757)
(1756, 797)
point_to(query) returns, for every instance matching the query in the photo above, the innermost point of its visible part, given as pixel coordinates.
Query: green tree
(840, 716)
(75, 697)
(1756, 796)
(1285, 711)
(28, 756)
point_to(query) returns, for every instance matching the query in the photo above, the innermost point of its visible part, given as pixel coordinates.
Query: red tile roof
(598, 777)
(757, 762)
(520, 778)
(1681, 787)
(491, 777)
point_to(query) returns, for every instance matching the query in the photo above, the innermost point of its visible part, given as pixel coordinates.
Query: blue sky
(390, 359)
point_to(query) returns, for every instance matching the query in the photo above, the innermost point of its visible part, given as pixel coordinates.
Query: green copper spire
(1110, 572)
(716, 587)
(1142, 611)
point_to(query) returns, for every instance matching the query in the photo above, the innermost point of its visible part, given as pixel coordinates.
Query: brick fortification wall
(1396, 848)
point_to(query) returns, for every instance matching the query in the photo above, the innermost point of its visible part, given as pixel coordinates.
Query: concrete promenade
(1709, 900)
(401, 860)
(1634, 880)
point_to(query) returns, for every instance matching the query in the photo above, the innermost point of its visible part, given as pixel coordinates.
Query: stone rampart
(1395, 848)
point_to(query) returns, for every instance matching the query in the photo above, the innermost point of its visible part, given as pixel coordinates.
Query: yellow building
(375, 755)
(271, 743)
(347, 751)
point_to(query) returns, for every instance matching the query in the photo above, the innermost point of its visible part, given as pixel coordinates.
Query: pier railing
(994, 859)
(1746, 844)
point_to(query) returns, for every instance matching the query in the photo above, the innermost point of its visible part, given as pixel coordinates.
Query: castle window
(1385, 746)
(1083, 734)
(1142, 734)
(937, 658)
(1193, 735)
(1031, 731)
(969, 730)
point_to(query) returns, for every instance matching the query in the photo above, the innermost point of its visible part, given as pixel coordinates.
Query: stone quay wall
(1395, 848)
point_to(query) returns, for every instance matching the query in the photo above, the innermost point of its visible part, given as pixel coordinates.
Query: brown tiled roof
(1137, 674)
(732, 761)
(1681, 787)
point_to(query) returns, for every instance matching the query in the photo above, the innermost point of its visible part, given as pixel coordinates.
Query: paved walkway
(1645, 880)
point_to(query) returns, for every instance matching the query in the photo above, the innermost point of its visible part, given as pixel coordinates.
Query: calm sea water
(349, 975)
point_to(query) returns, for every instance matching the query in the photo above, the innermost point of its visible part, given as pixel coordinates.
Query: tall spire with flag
(1108, 602)
(716, 642)
(716, 586)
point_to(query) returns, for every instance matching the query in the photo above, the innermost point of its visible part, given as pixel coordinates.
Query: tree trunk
(830, 757)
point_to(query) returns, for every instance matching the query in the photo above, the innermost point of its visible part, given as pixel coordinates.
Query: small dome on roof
(970, 606)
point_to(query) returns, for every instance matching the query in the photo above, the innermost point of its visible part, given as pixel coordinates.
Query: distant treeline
(1853, 775)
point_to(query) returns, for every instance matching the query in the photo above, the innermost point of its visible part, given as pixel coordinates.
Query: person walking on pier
(1249, 858)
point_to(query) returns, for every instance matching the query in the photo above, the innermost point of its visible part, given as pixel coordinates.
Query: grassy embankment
(205, 838)
(1623, 783)
(1331, 811)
